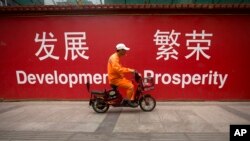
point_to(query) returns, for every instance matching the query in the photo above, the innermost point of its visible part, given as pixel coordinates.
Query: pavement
(76, 121)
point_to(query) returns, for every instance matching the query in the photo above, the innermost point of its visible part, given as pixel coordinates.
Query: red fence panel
(191, 57)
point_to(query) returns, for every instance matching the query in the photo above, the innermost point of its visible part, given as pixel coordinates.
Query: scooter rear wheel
(100, 106)
(147, 103)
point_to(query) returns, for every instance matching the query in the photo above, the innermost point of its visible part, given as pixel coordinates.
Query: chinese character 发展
(75, 45)
(46, 46)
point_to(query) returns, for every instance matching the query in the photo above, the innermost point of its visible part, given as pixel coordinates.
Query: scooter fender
(144, 96)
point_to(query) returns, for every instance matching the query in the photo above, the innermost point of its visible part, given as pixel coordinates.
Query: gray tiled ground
(75, 121)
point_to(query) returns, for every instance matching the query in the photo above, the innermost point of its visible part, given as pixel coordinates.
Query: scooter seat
(98, 92)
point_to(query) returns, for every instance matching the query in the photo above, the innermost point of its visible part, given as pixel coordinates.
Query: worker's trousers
(125, 84)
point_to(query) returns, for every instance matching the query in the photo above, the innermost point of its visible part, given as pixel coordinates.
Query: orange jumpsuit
(116, 75)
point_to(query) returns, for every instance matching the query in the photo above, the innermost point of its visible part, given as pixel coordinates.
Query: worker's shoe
(132, 103)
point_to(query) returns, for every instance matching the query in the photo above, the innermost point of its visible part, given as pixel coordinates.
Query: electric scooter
(102, 100)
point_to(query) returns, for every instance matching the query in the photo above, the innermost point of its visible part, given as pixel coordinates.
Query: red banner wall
(191, 57)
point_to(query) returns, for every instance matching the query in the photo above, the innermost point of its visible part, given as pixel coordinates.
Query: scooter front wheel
(100, 106)
(147, 103)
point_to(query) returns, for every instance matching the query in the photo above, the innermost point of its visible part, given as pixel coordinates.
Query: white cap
(121, 46)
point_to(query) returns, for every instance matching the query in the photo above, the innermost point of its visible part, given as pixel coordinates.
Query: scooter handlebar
(137, 76)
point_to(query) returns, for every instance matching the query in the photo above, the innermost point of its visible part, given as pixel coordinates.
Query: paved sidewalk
(76, 121)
